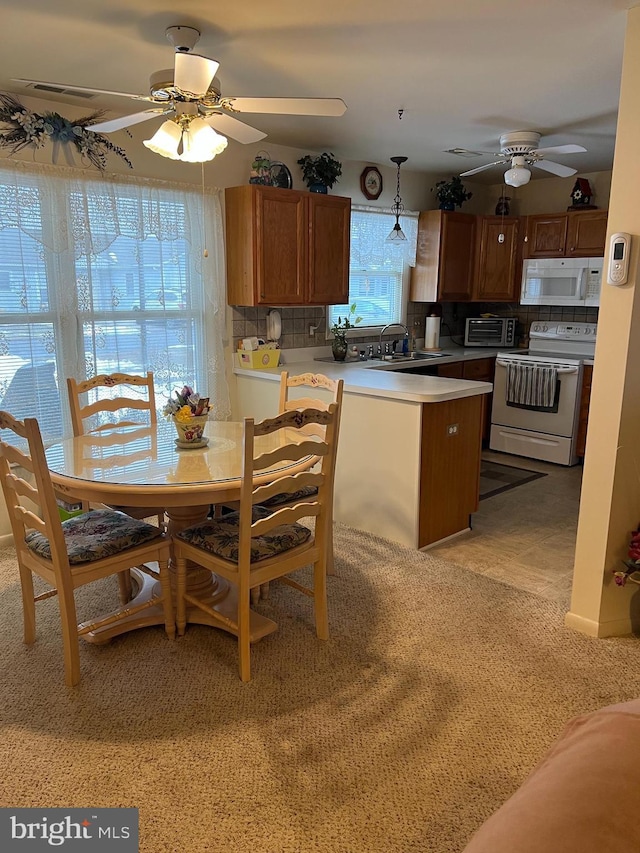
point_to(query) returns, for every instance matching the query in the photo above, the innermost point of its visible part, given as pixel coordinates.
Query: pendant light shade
(397, 235)
(200, 142)
(165, 140)
(518, 175)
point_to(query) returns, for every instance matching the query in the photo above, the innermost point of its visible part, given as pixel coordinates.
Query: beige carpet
(437, 692)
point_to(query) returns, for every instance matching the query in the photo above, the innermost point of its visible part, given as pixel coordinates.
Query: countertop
(386, 379)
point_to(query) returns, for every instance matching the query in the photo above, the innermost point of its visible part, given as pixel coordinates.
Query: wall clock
(371, 182)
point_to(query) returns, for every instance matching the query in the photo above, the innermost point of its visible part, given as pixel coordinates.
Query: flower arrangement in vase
(339, 329)
(190, 413)
(632, 563)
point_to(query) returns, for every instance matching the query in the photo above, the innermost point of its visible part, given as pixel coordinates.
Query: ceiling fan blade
(125, 121)
(289, 106)
(481, 168)
(555, 168)
(41, 85)
(193, 73)
(238, 130)
(560, 149)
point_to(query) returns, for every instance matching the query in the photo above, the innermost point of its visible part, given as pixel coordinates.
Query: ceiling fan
(189, 95)
(520, 149)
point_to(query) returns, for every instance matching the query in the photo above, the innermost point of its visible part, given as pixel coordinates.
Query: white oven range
(536, 392)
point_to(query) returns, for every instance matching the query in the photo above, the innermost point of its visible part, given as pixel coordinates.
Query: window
(101, 275)
(378, 271)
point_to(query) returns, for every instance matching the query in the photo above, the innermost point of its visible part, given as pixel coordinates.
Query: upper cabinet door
(444, 257)
(286, 247)
(281, 242)
(498, 267)
(546, 236)
(587, 232)
(329, 243)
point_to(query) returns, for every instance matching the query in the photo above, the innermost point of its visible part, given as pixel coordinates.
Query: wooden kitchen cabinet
(482, 370)
(498, 267)
(586, 234)
(575, 234)
(452, 370)
(478, 370)
(583, 417)
(444, 257)
(286, 247)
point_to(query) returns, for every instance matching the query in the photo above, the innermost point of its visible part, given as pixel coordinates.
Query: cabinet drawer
(481, 369)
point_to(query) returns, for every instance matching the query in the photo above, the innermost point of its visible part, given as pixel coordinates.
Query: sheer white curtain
(101, 274)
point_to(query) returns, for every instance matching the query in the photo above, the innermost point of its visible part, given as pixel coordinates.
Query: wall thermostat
(619, 251)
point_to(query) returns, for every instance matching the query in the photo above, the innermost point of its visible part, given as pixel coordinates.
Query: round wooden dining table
(143, 466)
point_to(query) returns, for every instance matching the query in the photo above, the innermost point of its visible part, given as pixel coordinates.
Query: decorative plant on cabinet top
(451, 194)
(320, 172)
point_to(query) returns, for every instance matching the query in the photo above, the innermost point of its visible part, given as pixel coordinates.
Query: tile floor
(526, 536)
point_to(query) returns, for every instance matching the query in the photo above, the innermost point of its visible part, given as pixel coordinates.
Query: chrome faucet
(390, 326)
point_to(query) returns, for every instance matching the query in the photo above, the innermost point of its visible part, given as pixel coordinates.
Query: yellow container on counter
(259, 359)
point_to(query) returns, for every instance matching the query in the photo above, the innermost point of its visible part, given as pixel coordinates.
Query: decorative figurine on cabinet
(581, 196)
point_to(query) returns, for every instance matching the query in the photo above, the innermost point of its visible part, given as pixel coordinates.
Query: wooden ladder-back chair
(80, 414)
(256, 545)
(334, 387)
(69, 554)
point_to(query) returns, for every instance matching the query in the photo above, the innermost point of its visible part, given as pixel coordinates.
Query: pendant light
(397, 235)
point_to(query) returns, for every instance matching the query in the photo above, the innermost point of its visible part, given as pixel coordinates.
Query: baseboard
(6, 539)
(614, 628)
(446, 539)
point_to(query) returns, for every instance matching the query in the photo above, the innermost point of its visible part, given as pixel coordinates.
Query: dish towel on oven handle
(531, 385)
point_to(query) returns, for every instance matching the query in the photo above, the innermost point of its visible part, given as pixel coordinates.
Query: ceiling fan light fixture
(165, 140)
(518, 175)
(201, 143)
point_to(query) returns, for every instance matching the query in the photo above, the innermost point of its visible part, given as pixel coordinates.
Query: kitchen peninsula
(408, 462)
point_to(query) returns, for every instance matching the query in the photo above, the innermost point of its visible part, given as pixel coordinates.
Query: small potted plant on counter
(451, 194)
(339, 329)
(320, 172)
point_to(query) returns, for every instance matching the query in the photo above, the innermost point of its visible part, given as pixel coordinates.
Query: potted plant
(451, 194)
(320, 172)
(339, 329)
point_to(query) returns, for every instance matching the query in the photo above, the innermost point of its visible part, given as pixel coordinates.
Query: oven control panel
(563, 331)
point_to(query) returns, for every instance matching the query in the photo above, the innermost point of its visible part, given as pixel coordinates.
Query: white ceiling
(463, 72)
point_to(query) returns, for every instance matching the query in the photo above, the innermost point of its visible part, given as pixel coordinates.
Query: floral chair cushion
(291, 497)
(96, 535)
(220, 537)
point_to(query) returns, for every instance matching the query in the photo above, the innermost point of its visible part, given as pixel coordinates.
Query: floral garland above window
(33, 129)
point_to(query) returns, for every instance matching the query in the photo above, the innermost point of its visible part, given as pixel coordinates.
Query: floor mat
(496, 478)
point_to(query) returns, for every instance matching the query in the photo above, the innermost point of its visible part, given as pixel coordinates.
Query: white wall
(610, 503)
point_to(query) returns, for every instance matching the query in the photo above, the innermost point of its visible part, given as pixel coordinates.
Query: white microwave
(561, 281)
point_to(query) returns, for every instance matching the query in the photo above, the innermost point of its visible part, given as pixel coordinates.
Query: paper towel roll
(432, 333)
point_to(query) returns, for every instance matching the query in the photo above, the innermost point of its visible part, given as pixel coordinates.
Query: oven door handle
(564, 370)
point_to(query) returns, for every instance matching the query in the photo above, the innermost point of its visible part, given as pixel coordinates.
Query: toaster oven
(490, 332)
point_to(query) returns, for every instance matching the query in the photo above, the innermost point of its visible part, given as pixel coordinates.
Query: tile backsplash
(306, 326)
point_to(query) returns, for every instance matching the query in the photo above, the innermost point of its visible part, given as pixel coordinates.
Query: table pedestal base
(223, 600)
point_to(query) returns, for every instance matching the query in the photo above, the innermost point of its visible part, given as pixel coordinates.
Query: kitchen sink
(414, 356)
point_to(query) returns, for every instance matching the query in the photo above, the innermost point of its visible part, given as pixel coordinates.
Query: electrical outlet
(452, 429)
